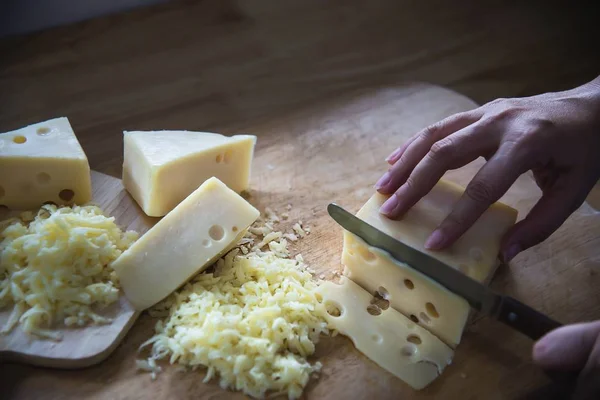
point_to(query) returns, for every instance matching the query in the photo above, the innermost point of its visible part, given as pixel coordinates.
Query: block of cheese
(161, 168)
(391, 340)
(475, 253)
(410, 292)
(186, 241)
(43, 163)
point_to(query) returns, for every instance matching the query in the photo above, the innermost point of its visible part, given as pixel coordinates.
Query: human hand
(573, 348)
(556, 135)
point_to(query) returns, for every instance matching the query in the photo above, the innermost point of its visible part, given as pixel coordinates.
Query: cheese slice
(410, 292)
(43, 163)
(188, 240)
(391, 340)
(161, 168)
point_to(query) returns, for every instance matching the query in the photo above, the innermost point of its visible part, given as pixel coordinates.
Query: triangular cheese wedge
(41, 163)
(161, 168)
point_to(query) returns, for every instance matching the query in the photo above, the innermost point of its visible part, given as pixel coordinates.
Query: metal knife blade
(480, 297)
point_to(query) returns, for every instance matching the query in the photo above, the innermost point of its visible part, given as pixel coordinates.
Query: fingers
(488, 185)
(449, 153)
(567, 348)
(407, 158)
(396, 154)
(555, 206)
(588, 383)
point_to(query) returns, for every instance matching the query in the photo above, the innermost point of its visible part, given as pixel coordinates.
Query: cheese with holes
(161, 168)
(186, 241)
(43, 163)
(390, 339)
(410, 292)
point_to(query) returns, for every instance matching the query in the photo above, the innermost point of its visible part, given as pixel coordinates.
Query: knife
(505, 309)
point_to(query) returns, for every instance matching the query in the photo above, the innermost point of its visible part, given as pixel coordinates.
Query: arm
(556, 135)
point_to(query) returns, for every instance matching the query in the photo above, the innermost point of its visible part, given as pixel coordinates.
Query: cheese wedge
(188, 240)
(43, 163)
(410, 292)
(161, 168)
(389, 339)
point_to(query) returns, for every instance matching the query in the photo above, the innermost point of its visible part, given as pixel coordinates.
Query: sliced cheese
(161, 168)
(43, 163)
(410, 292)
(475, 253)
(390, 339)
(186, 241)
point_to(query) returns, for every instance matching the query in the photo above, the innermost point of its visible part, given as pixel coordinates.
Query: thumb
(567, 348)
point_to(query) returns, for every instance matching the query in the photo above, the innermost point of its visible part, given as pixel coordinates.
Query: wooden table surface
(228, 65)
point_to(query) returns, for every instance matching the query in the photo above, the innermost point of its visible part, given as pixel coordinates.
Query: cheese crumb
(252, 322)
(55, 267)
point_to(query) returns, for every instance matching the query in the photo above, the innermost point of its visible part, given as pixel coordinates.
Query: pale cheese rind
(408, 291)
(42, 163)
(186, 241)
(161, 168)
(391, 340)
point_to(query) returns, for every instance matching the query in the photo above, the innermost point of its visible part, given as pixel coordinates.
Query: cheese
(474, 253)
(43, 163)
(391, 340)
(186, 241)
(55, 268)
(252, 323)
(410, 292)
(162, 168)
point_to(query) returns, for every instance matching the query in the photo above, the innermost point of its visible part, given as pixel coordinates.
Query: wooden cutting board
(335, 152)
(90, 345)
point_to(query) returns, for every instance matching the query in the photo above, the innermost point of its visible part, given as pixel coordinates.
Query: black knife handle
(524, 318)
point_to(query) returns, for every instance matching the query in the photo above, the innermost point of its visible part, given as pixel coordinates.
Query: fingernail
(389, 206)
(384, 180)
(393, 155)
(435, 240)
(511, 252)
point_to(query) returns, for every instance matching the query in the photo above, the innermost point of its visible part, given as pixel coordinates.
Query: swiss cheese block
(43, 163)
(389, 339)
(475, 253)
(409, 291)
(186, 241)
(161, 168)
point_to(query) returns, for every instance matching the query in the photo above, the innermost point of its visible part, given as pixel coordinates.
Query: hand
(573, 348)
(556, 135)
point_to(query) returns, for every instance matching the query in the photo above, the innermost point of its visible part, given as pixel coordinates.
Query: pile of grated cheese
(55, 266)
(251, 323)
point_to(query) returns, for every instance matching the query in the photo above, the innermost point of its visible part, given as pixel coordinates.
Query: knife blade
(506, 309)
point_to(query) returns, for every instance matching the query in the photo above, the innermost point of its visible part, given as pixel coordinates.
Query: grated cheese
(251, 323)
(54, 267)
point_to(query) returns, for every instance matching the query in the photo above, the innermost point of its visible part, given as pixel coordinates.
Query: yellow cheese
(390, 339)
(43, 163)
(186, 241)
(54, 268)
(475, 253)
(410, 292)
(162, 168)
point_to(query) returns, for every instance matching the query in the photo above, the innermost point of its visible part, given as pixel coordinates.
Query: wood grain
(317, 82)
(90, 345)
(334, 152)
